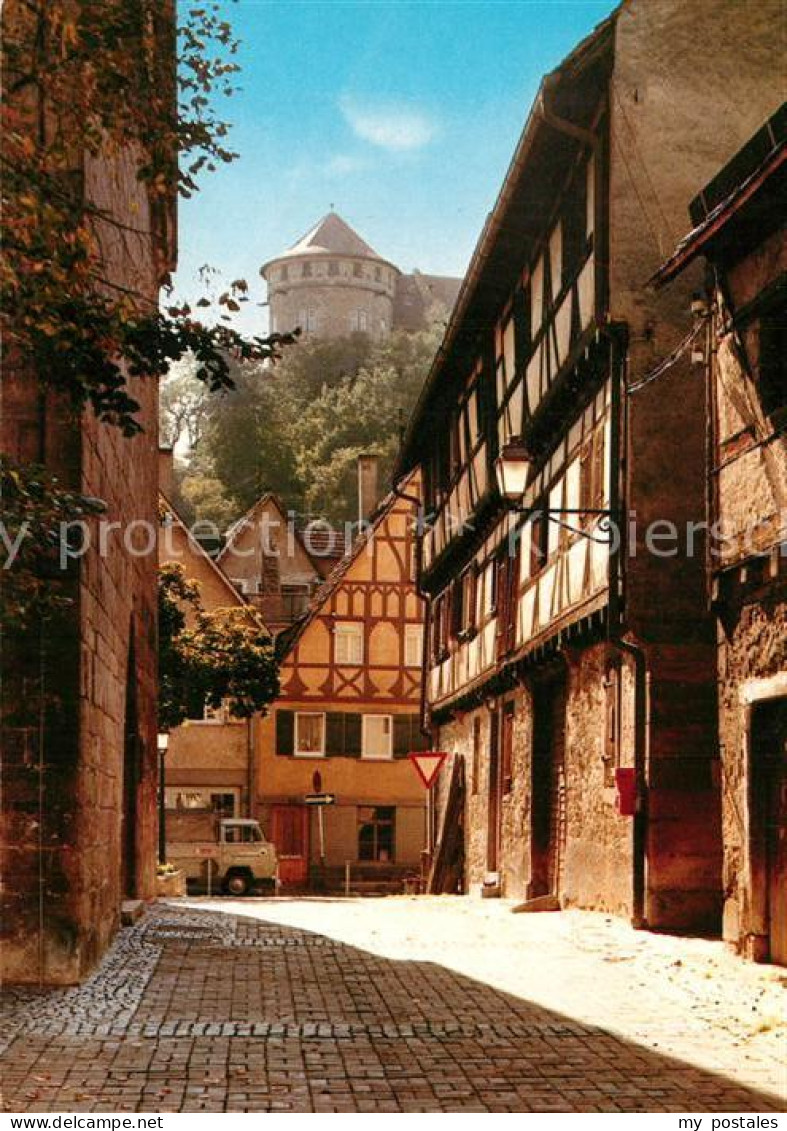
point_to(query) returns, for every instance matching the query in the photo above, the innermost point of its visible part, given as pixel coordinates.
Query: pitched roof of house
(234, 595)
(515, 225)
(331, 236)
(289, 638)
(317, 540)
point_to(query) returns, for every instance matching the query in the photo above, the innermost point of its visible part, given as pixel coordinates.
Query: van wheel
(237, 884)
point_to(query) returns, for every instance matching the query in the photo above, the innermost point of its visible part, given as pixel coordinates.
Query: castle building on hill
(332, 283)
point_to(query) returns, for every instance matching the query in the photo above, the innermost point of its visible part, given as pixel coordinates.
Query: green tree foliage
(38, 513)
(225, 656)
(88, 83)
(297, 427)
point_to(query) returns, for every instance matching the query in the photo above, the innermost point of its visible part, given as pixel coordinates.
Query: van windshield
(241, 834)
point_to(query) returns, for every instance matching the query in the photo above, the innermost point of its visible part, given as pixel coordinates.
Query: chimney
(166, 471)
(368, 497)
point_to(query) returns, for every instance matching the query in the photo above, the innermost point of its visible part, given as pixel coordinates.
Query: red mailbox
(626, 786)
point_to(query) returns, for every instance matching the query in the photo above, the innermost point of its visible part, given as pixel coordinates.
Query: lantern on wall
(511, 468)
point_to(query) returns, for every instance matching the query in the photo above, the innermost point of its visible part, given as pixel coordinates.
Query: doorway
(768, 808)
(548, 788)
(290, 833)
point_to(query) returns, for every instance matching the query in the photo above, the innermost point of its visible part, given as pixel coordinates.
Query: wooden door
(290, 833)
(777, 857)
(548, 789)
(769, 822)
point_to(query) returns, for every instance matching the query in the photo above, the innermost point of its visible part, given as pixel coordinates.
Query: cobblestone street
(398, 1005)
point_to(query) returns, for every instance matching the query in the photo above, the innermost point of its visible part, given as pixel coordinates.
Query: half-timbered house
(742, 331)
(348, 716)
(561, 436)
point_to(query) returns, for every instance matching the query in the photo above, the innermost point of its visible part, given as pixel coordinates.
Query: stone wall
(79, 806)
(595, 840)
(752, 647)
(335, 299)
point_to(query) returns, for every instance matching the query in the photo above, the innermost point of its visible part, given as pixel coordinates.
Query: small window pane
(309, 734)
(377, 736)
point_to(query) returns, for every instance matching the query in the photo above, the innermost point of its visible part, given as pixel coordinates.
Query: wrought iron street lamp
(511, 470)
(162, 744)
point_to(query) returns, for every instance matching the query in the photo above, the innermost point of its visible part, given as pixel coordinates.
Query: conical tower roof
(330, 236)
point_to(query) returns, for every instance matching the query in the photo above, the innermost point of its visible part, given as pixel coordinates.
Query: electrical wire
(668, 361)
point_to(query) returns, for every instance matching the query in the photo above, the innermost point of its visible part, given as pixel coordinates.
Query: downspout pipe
(624, 645)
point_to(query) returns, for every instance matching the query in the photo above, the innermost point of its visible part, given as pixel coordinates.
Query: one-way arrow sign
(320, 799)
(427, 765)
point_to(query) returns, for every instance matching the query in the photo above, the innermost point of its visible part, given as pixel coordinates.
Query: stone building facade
(572, 667)
(739, 229)
(332, 283)
(79, 696)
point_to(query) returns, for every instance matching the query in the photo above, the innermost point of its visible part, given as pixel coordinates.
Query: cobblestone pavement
(196, 1009)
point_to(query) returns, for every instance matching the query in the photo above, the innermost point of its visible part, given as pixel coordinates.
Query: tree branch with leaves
(221, 657)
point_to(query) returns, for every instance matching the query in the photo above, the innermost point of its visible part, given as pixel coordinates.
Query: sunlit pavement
(399, 1004)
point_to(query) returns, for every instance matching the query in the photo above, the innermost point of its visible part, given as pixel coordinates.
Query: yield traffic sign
(427, 765)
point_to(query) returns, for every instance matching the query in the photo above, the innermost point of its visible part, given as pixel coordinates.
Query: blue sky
(403, 116)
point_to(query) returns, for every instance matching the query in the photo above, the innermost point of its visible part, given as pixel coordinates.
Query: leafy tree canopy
(298, 426)
(224, 656)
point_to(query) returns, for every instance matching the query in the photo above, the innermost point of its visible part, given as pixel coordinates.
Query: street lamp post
(163, 743)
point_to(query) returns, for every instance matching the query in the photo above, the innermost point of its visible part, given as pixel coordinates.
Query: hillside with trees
(296, 427)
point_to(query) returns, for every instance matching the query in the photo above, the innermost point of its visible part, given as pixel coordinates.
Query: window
(377, 741)
(205, 799)
(311, 319)
(413, 645)
(213, 714)
(348, 643)
(333, 268)
(309, 735)
(295, 599)
(383, 326)
(357, 270)
(359, 321)
(242, 834)
(773, 362)
(307, 271)
(376, 828)
(284, 274)
(377, 274)
(539, 534)
(574, 228)
(591, 476)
